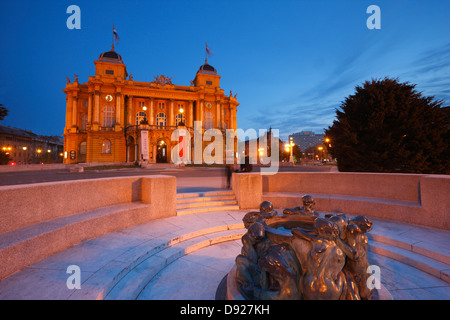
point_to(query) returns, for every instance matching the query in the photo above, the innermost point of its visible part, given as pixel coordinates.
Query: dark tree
(4, 157)
(387, 126)
(3, 112)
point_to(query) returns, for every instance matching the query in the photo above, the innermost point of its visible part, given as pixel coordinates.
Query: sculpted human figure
(357, 262)
(266, 210)
(254, 245)
(323, 279)
(341, 221)
(306, 209)
(280, 274)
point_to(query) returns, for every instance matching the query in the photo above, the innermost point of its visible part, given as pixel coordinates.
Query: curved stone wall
(410, 198)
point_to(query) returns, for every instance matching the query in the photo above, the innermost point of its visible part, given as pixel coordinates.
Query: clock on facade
(109, 98)
(208, 105)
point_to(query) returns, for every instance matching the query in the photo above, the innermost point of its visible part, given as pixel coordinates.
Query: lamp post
(327, 145)
(321, 152)
(291, 145)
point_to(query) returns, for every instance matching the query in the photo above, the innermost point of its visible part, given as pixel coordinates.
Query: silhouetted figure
(228, 173)
(246, 166)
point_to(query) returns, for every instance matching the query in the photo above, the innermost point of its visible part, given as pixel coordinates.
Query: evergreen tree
(4, 157)
(387, 126)
(3, 112)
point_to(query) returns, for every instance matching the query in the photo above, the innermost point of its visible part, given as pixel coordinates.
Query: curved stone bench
(410, 198)
(372, 207)
(23, 247)
(38, 220)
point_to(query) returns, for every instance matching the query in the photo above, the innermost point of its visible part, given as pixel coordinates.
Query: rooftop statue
(162, 80)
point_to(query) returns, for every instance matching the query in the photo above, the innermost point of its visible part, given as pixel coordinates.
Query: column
(130, 111)
(118, 108)
(68, 110)
(74, 111)
(218, 123)
(233, 113)
(97, 107)
(89, 108)
(190, 115)
(151, 116)
(172, 113)
(222, 118)
(197, 110)
(202, 105)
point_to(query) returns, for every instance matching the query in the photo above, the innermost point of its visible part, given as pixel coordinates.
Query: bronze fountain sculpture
(299, 255)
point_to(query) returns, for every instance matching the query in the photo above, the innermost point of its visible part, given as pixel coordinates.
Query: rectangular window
(109, 71)
(209, 83)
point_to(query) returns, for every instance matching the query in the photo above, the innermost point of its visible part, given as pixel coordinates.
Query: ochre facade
(105, 116)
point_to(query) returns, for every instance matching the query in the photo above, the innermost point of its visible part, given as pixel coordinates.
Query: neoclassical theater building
(106, 116)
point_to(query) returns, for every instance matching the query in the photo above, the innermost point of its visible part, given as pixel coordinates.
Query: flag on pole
(116, 36)
(208, 52)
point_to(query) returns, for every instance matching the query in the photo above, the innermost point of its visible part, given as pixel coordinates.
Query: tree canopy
(387, 126)
(3, 112)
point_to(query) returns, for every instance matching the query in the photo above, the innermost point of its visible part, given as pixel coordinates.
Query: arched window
(180, 119)
(108, 116)
(83, 147)
(106, 146)
(161, 119)
(209, 120)
(84, 120)
(140, 116)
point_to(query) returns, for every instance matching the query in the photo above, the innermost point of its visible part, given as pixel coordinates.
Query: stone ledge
(23, 247)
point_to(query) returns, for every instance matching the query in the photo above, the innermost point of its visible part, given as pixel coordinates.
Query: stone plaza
(139, 238)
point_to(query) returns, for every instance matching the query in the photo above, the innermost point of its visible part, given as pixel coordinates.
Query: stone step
(201, 204)
(181, 212)
(130, 286)
(203, 199)
(189, 203)
(204, 194)
(23, 247)
(419, 261)
(102, 282)
(411, 245)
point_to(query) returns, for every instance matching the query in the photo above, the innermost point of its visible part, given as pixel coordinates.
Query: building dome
(208, 69)
(111, 56)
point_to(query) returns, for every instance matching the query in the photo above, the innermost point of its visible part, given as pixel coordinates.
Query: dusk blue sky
(291, 63)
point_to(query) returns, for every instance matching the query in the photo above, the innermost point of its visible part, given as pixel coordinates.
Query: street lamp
(321, 151)
(291, 143)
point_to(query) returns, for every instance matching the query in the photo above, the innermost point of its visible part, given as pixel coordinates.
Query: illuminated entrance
(161, 152)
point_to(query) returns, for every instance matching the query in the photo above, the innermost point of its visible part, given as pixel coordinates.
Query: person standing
(228, 173)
